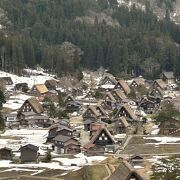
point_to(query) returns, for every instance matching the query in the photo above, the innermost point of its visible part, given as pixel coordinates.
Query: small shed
(136, 160)
(29, 153)
(6, 153)
(126, 172)
(6, 80)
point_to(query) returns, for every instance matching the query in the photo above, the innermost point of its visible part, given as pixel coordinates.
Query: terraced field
(139, 145)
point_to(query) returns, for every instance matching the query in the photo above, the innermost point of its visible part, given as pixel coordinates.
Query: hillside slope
(158, 9)
(64, 37)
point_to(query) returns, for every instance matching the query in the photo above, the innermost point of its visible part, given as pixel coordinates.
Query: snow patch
(164, 139)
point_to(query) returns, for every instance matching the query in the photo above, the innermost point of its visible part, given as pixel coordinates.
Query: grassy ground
(94, 172)
(138, 145)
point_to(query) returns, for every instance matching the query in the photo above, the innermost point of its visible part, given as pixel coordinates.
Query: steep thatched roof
(124, 121)
(119, 94)
(51, 82)
(124, 86)
(41, 88)
(110, 96)
(111, 78)
(125, 172)
(93, 110)
(129, 111)
(168, 75)
(160, 83)
(138, 81)
(35, 104)
(91, 143)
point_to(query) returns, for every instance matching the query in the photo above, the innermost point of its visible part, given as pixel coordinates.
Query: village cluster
(99, 117)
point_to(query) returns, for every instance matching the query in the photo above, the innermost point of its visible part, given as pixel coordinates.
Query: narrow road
(125, 144)
(127, 141)
(109, 172)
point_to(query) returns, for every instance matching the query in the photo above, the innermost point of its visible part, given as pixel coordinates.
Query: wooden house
(39, 90)
(127, 112)
(108, 83)
(118, 95)
(69, 99)
(31, 119)
(121, 125)
(123, 86)
(6, 154)
(156, 92)
(52, 95)
(102, 113)
(109, 100)
(87, 124)
(126, 172)
(21, 87)
(102, 141)
(104, 104)
(95, 126)
(73, 106)
(136, 160)
(29, 153)
(52, 132)
(56, 129)
(66, 145)
(137, 82)
(77, 91)
(11, 120)
(147, 105)
(94, 113)
(91, 113)
(168, 77)
(159, 83)
(6, 80)
(31, 105)
(109, 79)
(90, 95)
(51, 84)
(65, 131)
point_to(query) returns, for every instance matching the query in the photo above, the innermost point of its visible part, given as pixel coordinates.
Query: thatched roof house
(125, 172)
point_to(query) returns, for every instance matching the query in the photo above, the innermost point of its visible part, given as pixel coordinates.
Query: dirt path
(127, 141)
(109, 172)
(84, 138)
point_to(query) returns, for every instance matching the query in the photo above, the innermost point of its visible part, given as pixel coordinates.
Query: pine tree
(2, 99)
(2, 122)
(48, 157)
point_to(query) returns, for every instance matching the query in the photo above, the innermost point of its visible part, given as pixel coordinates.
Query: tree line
(47, 33)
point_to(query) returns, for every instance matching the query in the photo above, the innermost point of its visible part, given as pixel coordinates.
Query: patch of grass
(94, 172)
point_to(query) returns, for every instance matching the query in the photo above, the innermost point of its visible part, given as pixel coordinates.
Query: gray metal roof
(62, 138)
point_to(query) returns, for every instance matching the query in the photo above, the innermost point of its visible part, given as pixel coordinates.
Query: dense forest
(66, 36)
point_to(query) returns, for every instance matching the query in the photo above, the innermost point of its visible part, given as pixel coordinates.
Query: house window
(100, 138)
(105, 138)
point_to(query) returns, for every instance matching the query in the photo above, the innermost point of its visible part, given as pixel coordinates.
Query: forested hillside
(100, 33)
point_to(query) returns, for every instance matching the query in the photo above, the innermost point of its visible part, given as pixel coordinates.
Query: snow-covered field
(57, 163)
(33, 79)
(52, 165)
(164, 140)
(14, 139)
(16, 101)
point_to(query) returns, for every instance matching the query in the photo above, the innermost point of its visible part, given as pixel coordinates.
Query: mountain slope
(158, 8)
(126, 40)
